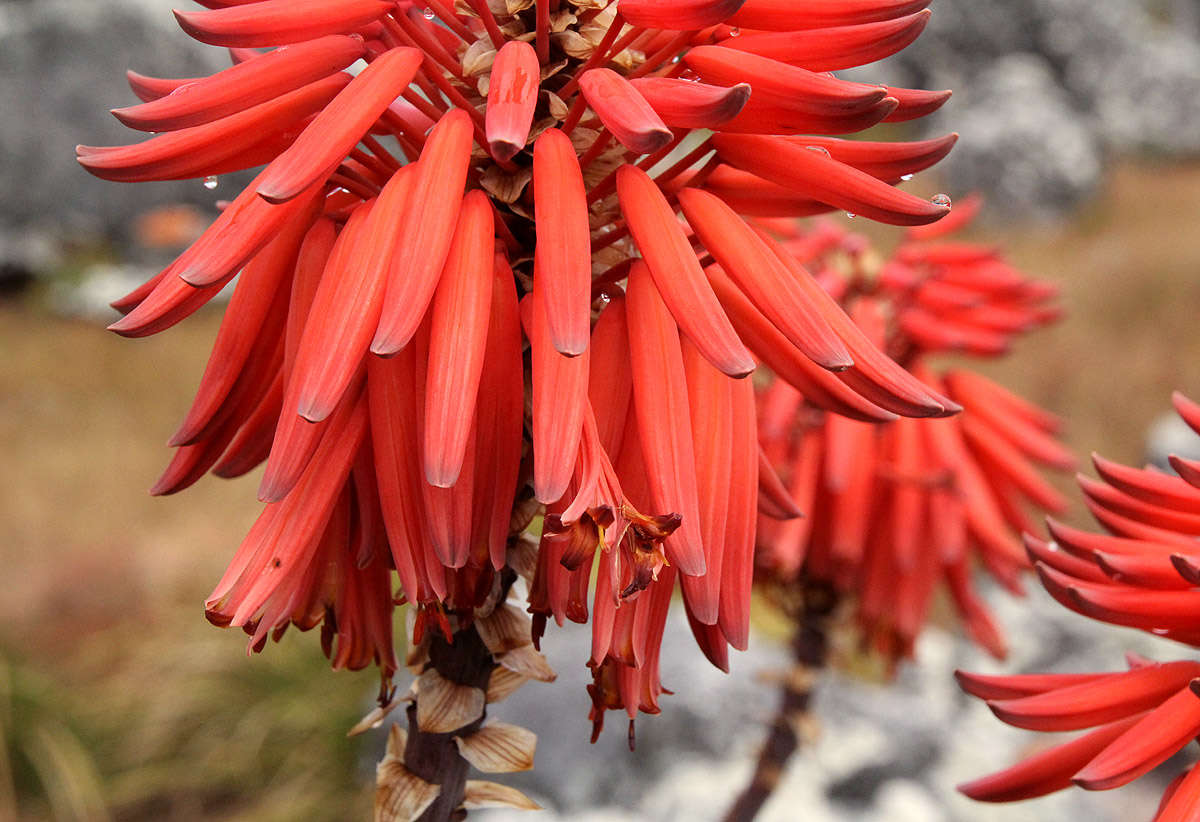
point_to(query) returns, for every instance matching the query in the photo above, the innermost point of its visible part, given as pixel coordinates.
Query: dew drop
(690, 76)
(210, 182)
(604, 298)
(675, 59)
(735, 31)
(429, 13)
(940, 200)
(819, 150)
(850, 215)
(906, 177)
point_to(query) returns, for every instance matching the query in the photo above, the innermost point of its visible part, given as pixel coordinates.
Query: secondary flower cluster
(1144, 573)
(893, 510)
(466, 293)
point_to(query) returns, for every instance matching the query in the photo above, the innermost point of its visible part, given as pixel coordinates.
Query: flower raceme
(1144, 573)
(462, 207)
(895, 509)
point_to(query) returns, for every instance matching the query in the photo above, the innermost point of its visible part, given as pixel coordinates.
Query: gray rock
(1046, 89)
(64, 63)
(889, 753)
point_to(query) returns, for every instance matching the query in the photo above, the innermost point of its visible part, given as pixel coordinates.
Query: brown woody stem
(810, 650)
(434, 756)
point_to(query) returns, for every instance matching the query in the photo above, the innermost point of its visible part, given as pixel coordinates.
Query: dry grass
(116, 697)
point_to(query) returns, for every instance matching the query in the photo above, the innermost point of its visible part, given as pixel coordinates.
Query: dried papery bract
(452, 229)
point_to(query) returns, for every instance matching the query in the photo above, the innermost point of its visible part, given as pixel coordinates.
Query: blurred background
(1079, 120)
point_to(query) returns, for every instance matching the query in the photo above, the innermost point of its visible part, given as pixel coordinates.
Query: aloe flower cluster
(1143, 573)
(894, 510)
(504, 273)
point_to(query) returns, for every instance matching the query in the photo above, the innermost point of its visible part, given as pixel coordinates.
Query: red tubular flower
(489, 178)
(897, 508)
(1142, 574)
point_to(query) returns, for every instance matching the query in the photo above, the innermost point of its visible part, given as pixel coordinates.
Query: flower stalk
(809, 648)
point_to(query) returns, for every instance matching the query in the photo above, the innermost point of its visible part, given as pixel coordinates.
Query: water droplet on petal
(429, 13)
(906, 177)
(690, 76)
(210, 182)
(849, 215)
(675, 59)
(735, 31)
(604, 298)
(940, 200)
(819, 150)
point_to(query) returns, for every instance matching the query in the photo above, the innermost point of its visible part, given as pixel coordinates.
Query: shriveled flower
(1144, 573)
(503, 174)
(895, 510)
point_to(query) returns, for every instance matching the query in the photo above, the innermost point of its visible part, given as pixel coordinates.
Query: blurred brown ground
(117, 699)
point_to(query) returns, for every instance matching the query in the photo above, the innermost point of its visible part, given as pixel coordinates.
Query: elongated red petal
(677, 273)
(341, 124)
(1088, 704)
(512, 97)
(228, 144)
(1047, 771)
(500, 415)
(737, 570)
(559, 402)
(245, 320)
(1137, 608)
(660, 397)
(892, 387)
(275, 22)
(624, 111)
(425, 231)
(786, 15)
(1154, 487)
(610, 387)
(151, 88)
(770, 117)
(1051, 555)
(391, 395)
(821, 387)
(1181, 801)
(242, 86)
(461, 308)
(914, 103)
(711, 414)
(780, 84)
(680, 15)
(992, 686)
(448, 510)
(684, 104)
(885, 161)
(1158, 516)
(822, 178)
(769, 285)
(252, 443)
(835, 47)
(564, 245)
(296, 437)
(1148, 743)
(774, 499)
(344, 309)
(752, 196)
